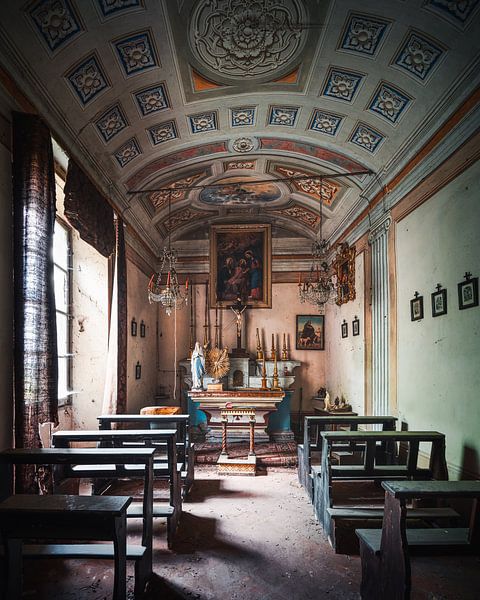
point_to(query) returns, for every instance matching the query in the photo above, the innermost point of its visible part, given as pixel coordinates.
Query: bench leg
(120, 560)
(370, 586)
(143, 572)
(13, 567)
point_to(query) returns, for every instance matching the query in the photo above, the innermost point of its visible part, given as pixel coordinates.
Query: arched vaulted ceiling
(195, 101)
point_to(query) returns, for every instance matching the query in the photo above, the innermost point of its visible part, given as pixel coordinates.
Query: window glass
(62, 274)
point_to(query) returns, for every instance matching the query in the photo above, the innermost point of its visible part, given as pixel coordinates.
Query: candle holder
(264, 375)
(275, 383)
(284, 349)
(259, 348)
(273, 353)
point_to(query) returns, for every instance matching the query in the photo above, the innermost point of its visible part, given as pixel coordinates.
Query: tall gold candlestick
(264, 375)
(191, 346)
(284, 349)
(273, 353)
(217, 341)
(275, 385)
(259, 347)
(206, 332)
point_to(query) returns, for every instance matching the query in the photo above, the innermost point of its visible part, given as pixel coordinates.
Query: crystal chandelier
(318, 289)
(168, 292)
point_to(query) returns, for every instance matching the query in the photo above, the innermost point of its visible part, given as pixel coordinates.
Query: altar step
(270, 454)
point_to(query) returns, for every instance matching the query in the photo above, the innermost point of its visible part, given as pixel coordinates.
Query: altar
(212, 403)
(243, 389)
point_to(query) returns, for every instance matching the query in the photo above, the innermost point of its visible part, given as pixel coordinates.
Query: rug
(281, 454)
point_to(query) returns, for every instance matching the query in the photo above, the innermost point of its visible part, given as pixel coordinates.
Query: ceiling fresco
(164, 100)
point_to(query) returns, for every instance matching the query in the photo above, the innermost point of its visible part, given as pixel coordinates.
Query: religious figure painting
(310, 333)
(235, 191)
(240, 265)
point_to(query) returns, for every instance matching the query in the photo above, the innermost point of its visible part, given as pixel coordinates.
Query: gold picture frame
(344, 266)
(240, 265)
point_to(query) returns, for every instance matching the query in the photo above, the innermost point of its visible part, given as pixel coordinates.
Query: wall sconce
(133, 327)
(138, 370)
(142, 329)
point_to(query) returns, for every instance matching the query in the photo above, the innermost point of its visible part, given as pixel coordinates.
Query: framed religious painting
(240, 265)
(468, 292)
(344, 266)
(439, 302)
(416, 307)
(310, 332)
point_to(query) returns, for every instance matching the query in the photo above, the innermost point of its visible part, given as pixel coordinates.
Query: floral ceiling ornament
(241, 39)
(244, 144)
(311, 185)
(175, 191)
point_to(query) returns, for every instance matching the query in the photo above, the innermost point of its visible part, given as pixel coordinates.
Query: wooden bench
(56, 517)
(312, 439)
(339, 519)
(385, 553)
(166, 467)
(113, 460)
(185, 449)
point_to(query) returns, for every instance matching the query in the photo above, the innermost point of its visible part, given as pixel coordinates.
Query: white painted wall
(438, 358)
(345, 357)
(89, 331)
(6, 282)
(140, 392)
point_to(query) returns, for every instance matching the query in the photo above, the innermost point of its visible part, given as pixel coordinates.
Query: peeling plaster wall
(345, 357)
(89, 330)
(6, 298)
(140, 392)
(438, 358)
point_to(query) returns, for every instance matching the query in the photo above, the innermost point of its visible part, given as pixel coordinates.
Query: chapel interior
(253, 212)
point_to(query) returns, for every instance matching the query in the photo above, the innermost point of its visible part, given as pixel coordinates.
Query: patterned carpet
(282, 454)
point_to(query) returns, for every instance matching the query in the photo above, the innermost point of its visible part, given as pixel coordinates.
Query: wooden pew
(339, 521)
(312, 439)
(167, 467)
(113, 461)
(30, 517)
(185, 449)
(385, 553)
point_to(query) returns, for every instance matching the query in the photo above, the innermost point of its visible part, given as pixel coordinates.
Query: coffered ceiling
(223, 106)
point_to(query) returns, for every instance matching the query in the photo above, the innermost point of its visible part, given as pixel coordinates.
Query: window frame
(64, 400)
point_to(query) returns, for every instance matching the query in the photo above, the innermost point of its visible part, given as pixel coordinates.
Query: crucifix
(238, 309)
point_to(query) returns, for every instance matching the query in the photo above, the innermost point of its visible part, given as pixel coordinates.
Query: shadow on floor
(209, 488)
(159, 588)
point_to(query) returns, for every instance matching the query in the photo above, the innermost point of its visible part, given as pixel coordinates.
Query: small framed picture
(468, 292)
(356, 326)
(416, 307)
(439, 303)
(138, 370)
(344, 329)
(310, 333)
(133, 327)
(142, 329)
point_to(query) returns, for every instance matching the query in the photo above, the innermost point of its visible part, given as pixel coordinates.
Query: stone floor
(245, 538)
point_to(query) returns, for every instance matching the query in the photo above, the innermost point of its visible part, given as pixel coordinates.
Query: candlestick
(299, 280)
(284, 349)
(168, 279)
(259, 347)
(190, 351)
(217, 342)
(206, 336)
(186, 284)
(273, 353)
(264, 375)
(275, 385)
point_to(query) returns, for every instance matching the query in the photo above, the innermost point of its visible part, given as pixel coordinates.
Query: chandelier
(163, 286)
(318, 289)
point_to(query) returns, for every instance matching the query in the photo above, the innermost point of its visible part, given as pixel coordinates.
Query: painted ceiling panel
(152, 95)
